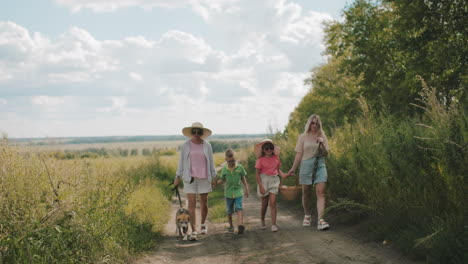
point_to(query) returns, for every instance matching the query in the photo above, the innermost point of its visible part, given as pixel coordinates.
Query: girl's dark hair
(268, 145)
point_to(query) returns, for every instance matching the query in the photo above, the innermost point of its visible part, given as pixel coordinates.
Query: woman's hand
(246, 194)
(176, 181)
(319, 140)
(291, 172)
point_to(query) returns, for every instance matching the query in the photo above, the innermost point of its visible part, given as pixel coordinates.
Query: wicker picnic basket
(290, 193)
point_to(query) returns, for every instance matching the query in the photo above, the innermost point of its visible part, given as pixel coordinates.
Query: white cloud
(112, 5)
(135, 76)
(75, 56)
(119, 107)
(113, 86)
(140, 41)
(47, 100)
(185, 46)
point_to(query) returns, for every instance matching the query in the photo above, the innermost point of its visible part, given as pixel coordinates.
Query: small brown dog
(182, 222)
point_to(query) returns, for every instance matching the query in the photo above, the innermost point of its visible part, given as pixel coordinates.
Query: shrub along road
(291, 244)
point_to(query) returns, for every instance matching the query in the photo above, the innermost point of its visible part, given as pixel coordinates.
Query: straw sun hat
(187, 131)
(258, 148)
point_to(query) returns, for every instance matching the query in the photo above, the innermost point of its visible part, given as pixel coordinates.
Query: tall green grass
(78, 211)
(408, 176)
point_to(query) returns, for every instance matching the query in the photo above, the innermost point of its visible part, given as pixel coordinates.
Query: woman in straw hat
(311, 147)
(196, 169)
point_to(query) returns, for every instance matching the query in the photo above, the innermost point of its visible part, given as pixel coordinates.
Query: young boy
(233, 174)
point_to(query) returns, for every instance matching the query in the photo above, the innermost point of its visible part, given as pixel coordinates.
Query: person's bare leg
(203, 207)
(264, 209)
(273, 210)
(192, 204)
(240, 217)
(320, 191)
(306, 198)
(230, 220)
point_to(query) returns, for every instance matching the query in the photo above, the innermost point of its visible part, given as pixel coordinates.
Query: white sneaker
(274, 228)
(203, 229)
(322, 225)
(306, 221)
(193, 236)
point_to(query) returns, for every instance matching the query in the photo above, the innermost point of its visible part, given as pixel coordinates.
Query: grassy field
(172, 144)
(104, 209)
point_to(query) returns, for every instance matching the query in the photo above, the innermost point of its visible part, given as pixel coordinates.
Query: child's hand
(262, 190)
(220, 181)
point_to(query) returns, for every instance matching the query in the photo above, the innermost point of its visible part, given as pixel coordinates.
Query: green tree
(333, 96)
(433, 36)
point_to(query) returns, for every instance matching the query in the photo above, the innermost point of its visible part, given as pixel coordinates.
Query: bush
(409, 173)
(147, 204)
(406, 175)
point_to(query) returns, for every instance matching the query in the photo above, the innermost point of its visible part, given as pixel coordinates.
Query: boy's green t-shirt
(233, 181)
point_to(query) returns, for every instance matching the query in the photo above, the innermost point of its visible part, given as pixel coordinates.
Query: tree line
(392, 97)
(380, 51)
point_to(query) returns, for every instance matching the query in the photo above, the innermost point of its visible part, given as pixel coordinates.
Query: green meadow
(86, 209)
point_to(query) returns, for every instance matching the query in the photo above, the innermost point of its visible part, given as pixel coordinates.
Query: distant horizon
(132, 136)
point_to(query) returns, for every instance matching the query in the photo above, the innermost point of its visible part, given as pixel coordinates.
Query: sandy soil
(291, 244)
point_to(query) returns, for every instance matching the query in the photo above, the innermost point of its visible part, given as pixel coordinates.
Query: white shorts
(269, 183)
(198, 186)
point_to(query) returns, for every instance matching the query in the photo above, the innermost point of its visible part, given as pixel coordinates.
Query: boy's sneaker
(274, 228)
(240, 229)
(322, 225)
(203, 229)
(231, 229)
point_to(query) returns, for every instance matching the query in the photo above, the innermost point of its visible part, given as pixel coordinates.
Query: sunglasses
(198, 132)
(313, 123)
(268, 148)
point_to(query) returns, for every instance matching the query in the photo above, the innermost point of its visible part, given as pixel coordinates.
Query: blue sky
(151, 67)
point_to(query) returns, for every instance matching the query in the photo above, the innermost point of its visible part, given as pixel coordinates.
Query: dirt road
(291, 244)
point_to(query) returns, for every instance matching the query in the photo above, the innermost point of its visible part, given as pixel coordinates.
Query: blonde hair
(319, 125)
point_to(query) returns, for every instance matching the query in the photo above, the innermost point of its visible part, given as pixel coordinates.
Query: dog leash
(314, 171)
(176, 189)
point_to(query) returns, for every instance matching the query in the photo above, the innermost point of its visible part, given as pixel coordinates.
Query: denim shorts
(233, 205)
(305, 172)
